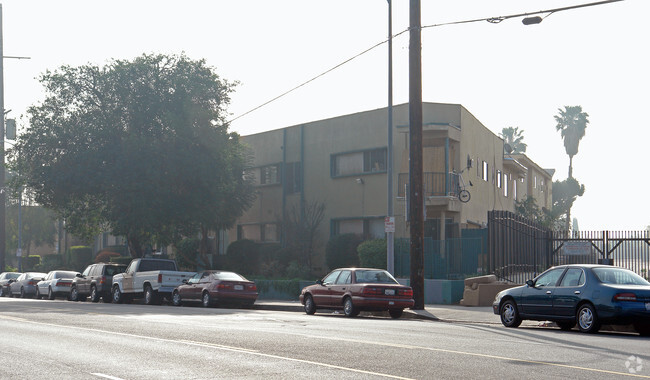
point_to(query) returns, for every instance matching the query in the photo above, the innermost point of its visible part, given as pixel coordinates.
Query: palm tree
(515, 138)
(572, 123)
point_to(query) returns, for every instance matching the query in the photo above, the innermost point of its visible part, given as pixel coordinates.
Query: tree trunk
(568, 212)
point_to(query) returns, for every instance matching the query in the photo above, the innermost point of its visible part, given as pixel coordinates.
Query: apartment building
(342, 163)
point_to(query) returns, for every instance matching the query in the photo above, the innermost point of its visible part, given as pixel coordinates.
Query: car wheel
(509, 314)
(50, 295)
(151, 296)
(94, 295)
(206, 300)
(116, 295)
(22, 293)
(176, 298)
(74, 294)
(310, 306)
(38, 294)
(566, 326)
(642, 328)
(2, 291)
(395, 313)
(587, 319)
(349, 309)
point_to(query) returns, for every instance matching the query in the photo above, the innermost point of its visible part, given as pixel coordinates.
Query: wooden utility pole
(416, 204)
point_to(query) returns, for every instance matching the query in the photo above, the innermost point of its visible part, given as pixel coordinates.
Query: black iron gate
(519, 249)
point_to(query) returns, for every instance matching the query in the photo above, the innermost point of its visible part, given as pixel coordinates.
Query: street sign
(576, 248)
(389, 224)
(19, 252)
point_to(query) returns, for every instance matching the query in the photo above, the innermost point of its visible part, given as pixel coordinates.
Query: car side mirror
(319, 282)
(79, 275)
(185, 281)
(530, 283)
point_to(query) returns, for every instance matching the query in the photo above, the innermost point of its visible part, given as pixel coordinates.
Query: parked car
(25, 285)
(95, 281)
(149, 278)
(586, 295)
(56, 283)
(214, 287)
(358, 289)
(4, 281)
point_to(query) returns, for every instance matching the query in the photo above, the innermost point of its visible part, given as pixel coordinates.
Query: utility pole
(390, 238)
(416, 204)
(3, 191)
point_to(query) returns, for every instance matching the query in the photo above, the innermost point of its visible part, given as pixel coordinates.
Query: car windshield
(65, 274)
(13, 275)
(112, 270)
(375, 277)
(619, 276)
(229, 276)
(35, 274)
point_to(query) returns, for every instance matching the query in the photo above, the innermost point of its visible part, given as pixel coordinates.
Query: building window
(354, 163)
(259, 232)
(499, 177)
(535, 182)
(270, 175)
(293, 177)
(366, 227)
(505, 185)
(485, 172)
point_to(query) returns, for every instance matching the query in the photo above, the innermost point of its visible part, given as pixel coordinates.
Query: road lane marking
(106, 376)
(209, 345)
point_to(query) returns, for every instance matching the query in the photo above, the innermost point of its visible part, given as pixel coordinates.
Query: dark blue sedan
(586, 295)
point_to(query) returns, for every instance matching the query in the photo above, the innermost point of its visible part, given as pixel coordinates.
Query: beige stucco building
(342, 162)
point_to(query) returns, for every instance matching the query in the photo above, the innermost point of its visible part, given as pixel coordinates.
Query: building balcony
(436, 185)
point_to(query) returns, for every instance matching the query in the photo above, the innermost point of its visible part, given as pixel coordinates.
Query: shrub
(341, 251)
(80, 256)
(295, 270)
(242, 256)
(105, 256)
(187, 251)
(121, 260)
(30, 263)
(121, 249)
(372, 253)
(50, 262)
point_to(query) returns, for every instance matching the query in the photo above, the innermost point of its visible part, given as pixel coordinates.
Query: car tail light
(223, 286)
(405, 292)
(102, 280)
(625, 297)
(160, 278)
(372, 290)
(251, 287)
(32, 282)
(64, 283)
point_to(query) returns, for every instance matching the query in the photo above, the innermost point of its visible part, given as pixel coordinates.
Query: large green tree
(571, 122)
(137, 147)
(513, 137)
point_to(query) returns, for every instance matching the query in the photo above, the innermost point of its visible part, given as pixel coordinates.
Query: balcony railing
(436, 184)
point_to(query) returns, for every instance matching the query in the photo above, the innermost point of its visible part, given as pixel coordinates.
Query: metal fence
(519, 249)
(446, 259)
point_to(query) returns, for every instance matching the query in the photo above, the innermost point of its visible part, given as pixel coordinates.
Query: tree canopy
(514, 137)
(140, 148)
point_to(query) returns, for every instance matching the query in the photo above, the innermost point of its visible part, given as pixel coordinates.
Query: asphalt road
(66, 340)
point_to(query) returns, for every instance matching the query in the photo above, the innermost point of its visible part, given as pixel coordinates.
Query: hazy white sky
(505, 74)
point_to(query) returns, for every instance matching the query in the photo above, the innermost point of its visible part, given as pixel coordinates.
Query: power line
(492, 20)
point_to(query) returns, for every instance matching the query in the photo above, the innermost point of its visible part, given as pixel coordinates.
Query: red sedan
(358, 289)
(215, 287)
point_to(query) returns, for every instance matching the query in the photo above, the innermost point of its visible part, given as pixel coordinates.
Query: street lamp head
(532, 20)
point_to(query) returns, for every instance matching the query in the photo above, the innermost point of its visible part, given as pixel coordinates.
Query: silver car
(25, 285)
(56, 283)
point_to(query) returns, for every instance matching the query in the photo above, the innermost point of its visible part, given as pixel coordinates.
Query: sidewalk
(443, 313)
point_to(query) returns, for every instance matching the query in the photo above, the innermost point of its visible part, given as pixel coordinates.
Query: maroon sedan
(358, 289)
(215, 287)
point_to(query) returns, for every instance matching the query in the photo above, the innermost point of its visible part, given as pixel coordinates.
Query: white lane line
(106, 376)
(208, 345)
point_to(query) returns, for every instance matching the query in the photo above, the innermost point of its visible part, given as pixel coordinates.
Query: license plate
(239, 287)
(389, 292)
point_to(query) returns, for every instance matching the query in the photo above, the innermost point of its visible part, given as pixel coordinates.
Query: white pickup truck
(151, 279)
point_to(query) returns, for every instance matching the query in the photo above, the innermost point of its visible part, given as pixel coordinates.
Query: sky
(505, 74)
